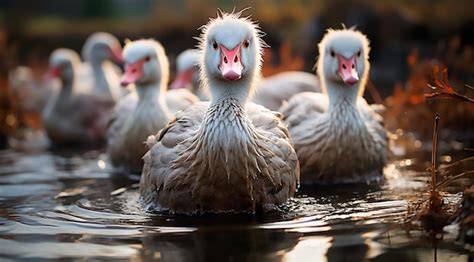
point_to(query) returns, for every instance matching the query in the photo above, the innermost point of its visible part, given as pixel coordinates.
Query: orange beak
(347, 69)
(231, 65)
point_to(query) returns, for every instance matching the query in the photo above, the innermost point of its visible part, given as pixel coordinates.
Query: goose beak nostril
(230, 66)
(346, 69)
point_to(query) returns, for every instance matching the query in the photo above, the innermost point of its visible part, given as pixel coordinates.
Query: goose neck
(101, 82)
(341, 95)
(149, 91)
(239, 92)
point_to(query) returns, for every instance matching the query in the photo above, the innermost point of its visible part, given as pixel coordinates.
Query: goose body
(274, 90)
(73, 115)
(144, 111)
(338, 137)
(226, 155)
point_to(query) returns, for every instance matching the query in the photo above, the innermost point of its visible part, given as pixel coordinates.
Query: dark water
(68, 206)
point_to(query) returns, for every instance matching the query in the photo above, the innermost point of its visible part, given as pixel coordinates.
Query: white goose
(274, 90)
(187, 73)
(144, 111)
(98, 51)
(339, 138)
(226, 155)
(74, 115)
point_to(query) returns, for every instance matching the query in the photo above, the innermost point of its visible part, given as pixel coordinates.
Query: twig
(449, 95)
(434, 150)
(446, 167)
(451, 179)
(374, 93)
(445, 89)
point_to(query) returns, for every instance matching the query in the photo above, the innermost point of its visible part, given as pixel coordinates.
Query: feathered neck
(340, 94)
(106, 82)
(154, 86)
(150, 92)
(240, 91)
(68, 82)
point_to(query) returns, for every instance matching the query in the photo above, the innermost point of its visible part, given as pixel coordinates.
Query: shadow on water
(65, 205)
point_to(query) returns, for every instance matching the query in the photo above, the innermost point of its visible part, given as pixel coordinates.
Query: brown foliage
(407, 105)
(445, 90)
(288, 62)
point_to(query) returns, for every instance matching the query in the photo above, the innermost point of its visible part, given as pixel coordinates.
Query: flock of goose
(237, 152)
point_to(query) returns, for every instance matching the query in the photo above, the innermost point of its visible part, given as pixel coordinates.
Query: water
(69, 206)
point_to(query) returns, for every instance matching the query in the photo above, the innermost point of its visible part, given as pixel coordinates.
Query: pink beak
(347, 70)
(182, 79)
(231, 65)
(133, 72)
(52, 73)
(116, 55)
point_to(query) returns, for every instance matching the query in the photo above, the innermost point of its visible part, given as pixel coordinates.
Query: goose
(338, 137)
(98, 51)
(275, 90)
(74, 114)
(187, 73)
(145, 110)
(226, 155)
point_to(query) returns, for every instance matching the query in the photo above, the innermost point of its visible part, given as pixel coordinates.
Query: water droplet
(417, 143)
(101, 164)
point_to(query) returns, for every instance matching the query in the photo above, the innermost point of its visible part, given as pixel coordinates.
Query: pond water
(57, 205)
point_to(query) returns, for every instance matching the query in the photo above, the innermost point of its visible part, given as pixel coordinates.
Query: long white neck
(150, 91)
(67, 84)
(340, 94)
(106, 82)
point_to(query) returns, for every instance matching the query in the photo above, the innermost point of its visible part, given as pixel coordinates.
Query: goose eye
(214, 45)
(246, 43)
(358, 54)
(332, 53)
(147, 59)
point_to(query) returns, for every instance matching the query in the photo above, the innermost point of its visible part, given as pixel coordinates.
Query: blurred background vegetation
(31, 29)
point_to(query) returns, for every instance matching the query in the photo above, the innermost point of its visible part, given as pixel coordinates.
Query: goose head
(62, 63)
(343, 64)
(145, 64)
(231, 48)
(187, 69)
(100, 47)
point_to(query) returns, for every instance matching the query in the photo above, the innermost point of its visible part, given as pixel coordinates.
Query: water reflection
(66, 205)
